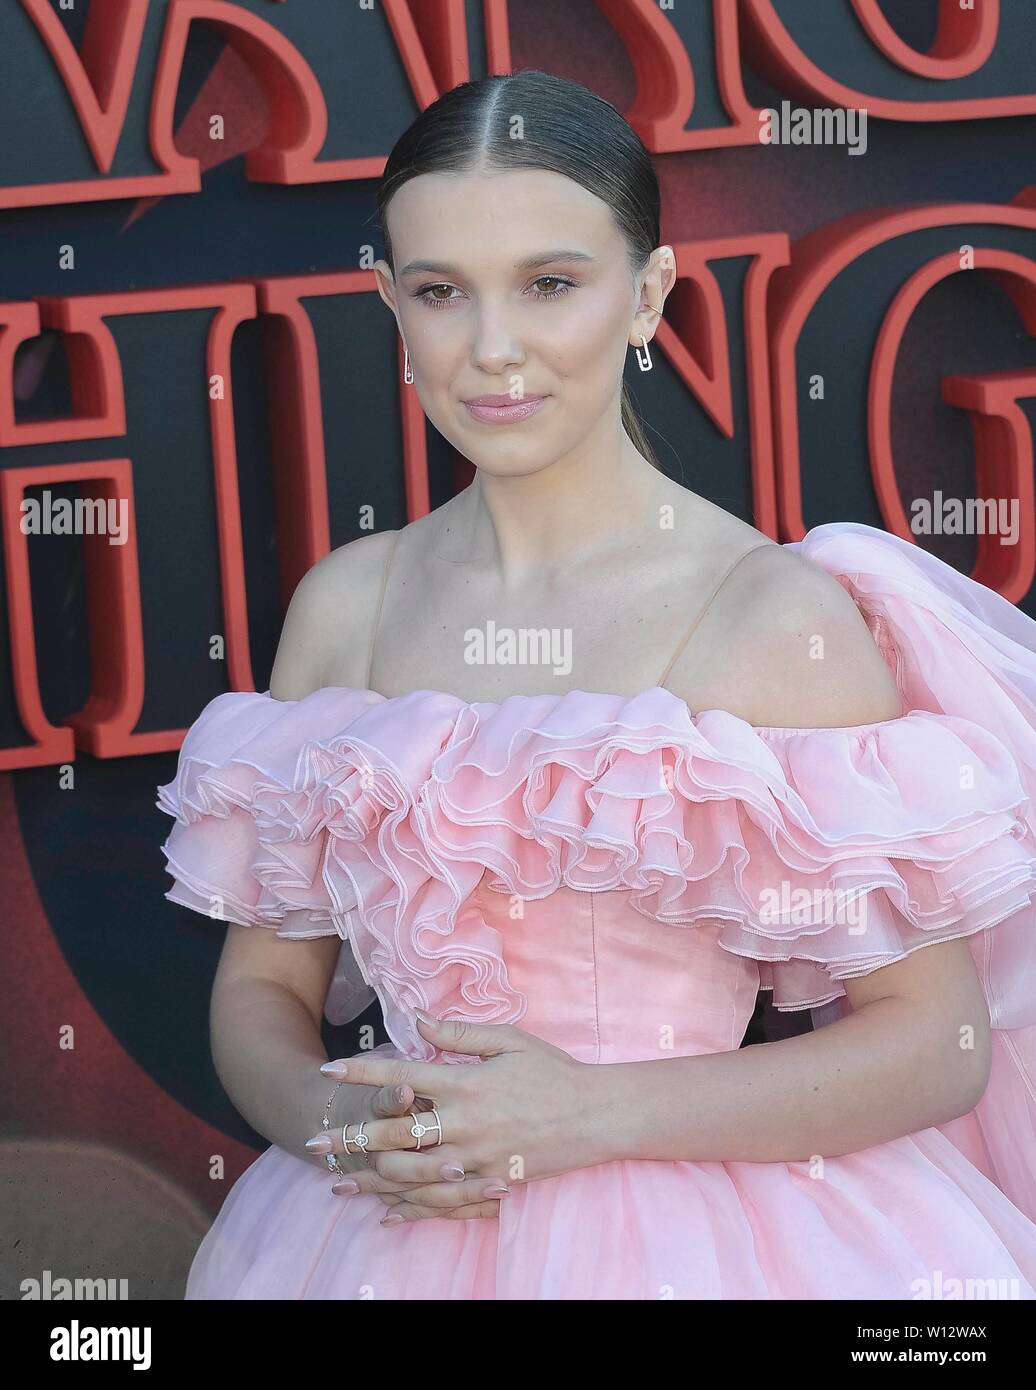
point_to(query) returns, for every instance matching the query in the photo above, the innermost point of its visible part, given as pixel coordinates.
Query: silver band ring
(359, 1139)
(419, 1130)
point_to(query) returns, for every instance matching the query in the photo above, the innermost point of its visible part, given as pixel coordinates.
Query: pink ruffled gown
(643, 839)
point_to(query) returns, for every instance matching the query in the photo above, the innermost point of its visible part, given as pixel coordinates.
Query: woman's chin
(498, 467)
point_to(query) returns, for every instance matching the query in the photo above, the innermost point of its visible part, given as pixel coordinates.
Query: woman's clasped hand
(527, 1110)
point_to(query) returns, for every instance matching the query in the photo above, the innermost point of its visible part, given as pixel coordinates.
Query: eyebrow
(526, 263)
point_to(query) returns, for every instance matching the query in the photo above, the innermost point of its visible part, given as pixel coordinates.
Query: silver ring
(419, 1130)
(360, 1139)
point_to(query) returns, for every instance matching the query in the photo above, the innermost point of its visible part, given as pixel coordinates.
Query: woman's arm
(265, 1028)
(914, 1052)
(269, 992)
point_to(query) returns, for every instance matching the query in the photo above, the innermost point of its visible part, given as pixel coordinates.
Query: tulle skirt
(910, 1219)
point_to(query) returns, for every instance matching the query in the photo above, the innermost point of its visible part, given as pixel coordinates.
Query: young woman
(563, 773)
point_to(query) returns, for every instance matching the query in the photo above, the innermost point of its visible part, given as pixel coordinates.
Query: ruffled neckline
(378, 817)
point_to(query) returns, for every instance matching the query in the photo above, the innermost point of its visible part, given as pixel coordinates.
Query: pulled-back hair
(561, 126)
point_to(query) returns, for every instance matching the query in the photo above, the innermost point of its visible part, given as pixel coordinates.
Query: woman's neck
(545, 523)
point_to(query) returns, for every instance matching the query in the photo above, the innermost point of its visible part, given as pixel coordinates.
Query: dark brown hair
(564, 127)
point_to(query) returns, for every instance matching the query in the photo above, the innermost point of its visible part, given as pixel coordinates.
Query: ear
(386, 287)
(659, 279)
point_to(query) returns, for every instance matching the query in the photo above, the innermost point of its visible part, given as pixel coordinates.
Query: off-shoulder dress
(670, 864)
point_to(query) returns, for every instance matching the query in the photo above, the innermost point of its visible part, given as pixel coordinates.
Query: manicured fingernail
(393, 1219)
(337, 1070)
(452, 1172)
(401, 1095)
(346, 1187)
(425, 1018)
(319, 1144)
(497, 1190)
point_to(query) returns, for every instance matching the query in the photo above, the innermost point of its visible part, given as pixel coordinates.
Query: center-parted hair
(534, 120)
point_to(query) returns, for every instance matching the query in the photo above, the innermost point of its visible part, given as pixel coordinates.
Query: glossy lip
(502, 410)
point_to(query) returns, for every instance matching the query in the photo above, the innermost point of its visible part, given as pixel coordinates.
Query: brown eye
(427, 294)
(563, 287)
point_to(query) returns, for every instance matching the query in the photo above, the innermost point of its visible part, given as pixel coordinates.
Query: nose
(495, 346)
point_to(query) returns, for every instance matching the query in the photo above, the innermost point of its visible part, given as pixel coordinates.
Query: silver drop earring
(408, 375)
(644, 361)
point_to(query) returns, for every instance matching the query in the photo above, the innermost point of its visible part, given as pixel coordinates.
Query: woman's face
(480, 319)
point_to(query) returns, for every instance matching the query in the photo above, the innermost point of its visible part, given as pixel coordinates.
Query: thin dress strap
(381, 600)
(690, 631)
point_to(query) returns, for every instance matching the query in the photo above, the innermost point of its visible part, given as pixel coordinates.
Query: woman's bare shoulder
(328, 626)
(799, 647)
(329, 618)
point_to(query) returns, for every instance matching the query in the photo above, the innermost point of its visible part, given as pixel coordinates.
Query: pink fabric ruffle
(894, 835)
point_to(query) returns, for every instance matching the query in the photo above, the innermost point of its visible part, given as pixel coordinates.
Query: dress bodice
(606, 984)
